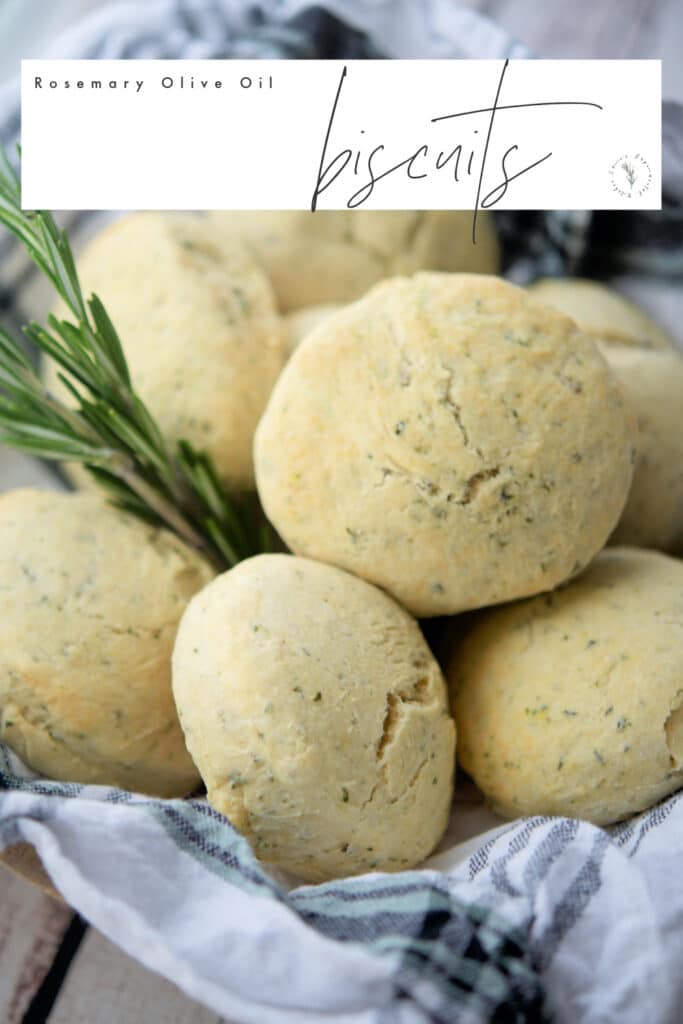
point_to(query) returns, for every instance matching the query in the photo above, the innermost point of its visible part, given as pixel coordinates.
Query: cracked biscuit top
(572, 703)
(449, 439)
(317, 717)
(90, 599)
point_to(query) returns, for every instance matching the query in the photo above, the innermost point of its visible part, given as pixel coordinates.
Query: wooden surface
(32, 926)
(54, 969)
(124, 992)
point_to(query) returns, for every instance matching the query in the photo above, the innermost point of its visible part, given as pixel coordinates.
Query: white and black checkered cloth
(541, 919)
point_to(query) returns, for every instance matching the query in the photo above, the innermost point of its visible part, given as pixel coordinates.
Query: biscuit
(317, 716)
(601, 312)
(448, 439)
(572, 703)
(90, 599)
(334, 256)
(652, 382)
(199, 329)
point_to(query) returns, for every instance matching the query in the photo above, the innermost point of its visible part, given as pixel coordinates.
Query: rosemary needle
(108, 428)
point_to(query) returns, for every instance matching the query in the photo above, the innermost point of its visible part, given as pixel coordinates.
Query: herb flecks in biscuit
(317, 716)
(90, 600)
(199, 329)
(572, 703)
(448, 439)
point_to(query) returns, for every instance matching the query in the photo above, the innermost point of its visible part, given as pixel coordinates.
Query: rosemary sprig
(108, 429)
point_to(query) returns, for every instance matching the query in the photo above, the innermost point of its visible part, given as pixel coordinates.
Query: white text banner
(394, 134)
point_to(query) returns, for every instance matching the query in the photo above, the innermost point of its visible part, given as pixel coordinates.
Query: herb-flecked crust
(448, 439)
(199, 328)
(317, 716)
(90, 600)
(571, 703)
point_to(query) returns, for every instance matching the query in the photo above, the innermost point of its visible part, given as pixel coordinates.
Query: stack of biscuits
(430, 442)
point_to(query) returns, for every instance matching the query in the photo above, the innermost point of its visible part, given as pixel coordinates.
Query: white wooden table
(52, 966)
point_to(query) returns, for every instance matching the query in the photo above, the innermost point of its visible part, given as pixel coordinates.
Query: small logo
(630, 175)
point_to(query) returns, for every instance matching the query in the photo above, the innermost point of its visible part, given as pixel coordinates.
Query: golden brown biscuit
(653, 384)
(601, 312)
(317, 716)
(572, 703)
(334, 256)
(90, 599)
(199, 329)
(448, 439)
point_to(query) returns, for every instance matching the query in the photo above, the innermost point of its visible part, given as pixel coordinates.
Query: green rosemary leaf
(13, 354)
(106, 426)
(137, 508)
(86, 348)
(8, 176)
(14, 381)
(149, 426)
(48, 444)
(202, 476)
(62, 355)
(124, 498)
(231, 554)
(107, 332)
(94, 415)
(71, 295)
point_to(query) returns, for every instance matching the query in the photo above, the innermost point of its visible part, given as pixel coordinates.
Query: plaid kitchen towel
(545, 918)
(535, 920)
